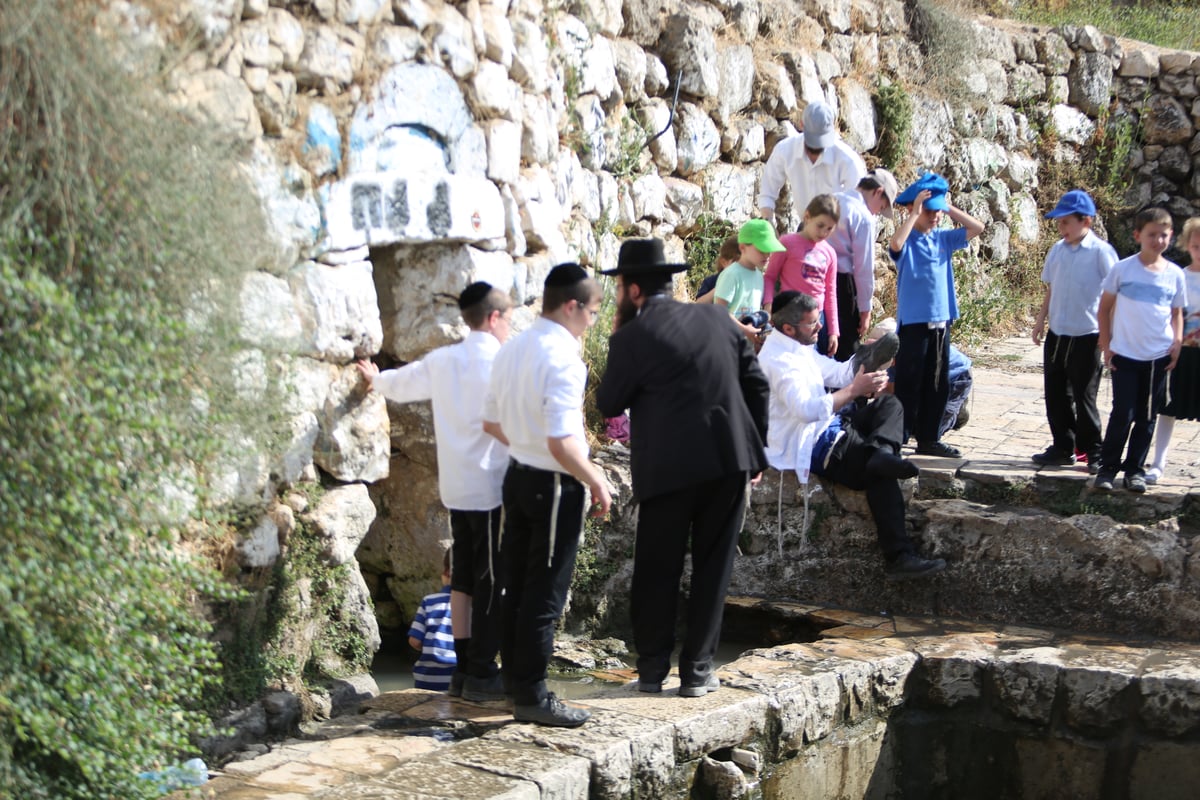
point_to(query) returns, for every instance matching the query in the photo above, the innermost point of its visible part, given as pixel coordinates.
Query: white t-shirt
(1141, 327)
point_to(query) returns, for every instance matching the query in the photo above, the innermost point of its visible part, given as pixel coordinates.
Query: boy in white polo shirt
(1075, 268)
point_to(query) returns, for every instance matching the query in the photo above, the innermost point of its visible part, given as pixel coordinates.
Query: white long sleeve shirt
(800, 408)
(536, 392)
(838, 168)
(471, 463)
(854, 242)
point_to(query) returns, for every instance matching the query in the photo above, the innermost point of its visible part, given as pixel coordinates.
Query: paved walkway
(1008, 420)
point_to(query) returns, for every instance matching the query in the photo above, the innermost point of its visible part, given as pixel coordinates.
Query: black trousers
(475, 568)
(1139, 391)
(847, 297)
(879, 425)
(709, 515)
(923, 379)
(543, 519)
(1071, 379)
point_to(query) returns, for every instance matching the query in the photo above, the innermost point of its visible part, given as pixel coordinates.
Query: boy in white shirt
(471, 468)
(1141, 333)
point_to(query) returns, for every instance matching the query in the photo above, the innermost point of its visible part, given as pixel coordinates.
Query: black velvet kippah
(566, 275)
(473, 294)
(782, 299)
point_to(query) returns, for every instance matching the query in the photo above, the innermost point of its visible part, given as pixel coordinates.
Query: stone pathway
(418, 744)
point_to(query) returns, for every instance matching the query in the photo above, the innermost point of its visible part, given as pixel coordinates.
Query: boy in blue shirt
(431, 634)
(1075, 268)
(1141, 333)
(927, 306)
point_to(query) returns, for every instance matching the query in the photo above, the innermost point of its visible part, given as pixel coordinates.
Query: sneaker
(552, 711)
(483, 690)
(1152, 476)
(1104, 482)
(876, 355)
(456, 684)
(649, 687)
(711, 685)
(1093, 465)
(1135, 483)
(939, 449)
(1053, 457)
(911, 565)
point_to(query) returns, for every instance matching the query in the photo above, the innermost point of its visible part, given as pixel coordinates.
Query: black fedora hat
(639, 256)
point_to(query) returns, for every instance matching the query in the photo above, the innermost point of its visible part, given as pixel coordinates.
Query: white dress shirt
(800, 408)
(838, 168)
(471, 463)
(536, 392)
(854, 242)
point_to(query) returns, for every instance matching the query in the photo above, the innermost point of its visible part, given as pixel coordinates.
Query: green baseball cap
(758, 232)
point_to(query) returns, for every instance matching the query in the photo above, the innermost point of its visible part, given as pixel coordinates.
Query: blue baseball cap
(937, 186)
(1076, 201)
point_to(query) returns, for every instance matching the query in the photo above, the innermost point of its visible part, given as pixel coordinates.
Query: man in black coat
(697, 403)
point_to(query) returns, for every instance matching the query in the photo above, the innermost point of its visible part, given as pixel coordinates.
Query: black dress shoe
(483, 690)
(1053, 457)
(876, 355)
(888, 465)
(456, 684)
(552, 711)
(911, 565)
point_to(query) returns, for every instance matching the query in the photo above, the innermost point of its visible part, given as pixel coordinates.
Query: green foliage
(630, 158)
(1161, 22)
(701, 246)
(595, 353)
(122, 233)
(894, 112)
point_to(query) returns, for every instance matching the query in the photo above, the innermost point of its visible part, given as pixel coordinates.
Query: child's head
(573, 297)
(1189, 239)
(879, 189)
(933, 206)
(486, 308)
(820, 217)
(1152, 230)
(728, 253)
(1073, 215)
(756, 241)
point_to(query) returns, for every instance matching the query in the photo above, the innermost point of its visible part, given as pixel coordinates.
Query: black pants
(475, 569)
(1071, 379)
(878, 425)
(1139, 391)
(847, 297)
(923, 379)
(710, 516)
(543, 519)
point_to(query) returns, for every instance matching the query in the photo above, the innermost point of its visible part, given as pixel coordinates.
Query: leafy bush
(122, 231)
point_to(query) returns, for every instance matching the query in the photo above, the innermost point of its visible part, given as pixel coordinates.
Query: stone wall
(404, 148)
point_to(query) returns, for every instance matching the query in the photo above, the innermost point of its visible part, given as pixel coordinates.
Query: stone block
(1026, 682)
(1165, 771)
(559, 776)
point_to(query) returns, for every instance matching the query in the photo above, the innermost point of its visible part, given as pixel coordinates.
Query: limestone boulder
(331, 54)
(655, 117)
(643, 21)
(1090, 82)
(730, 190)
(697, 140)
(1166, 122)
(531, 56)
(499, 43)
(1139, 63)
(225, 102)
(689, 48)
(773, 90)
(352, 442)
(1071, 124)
(340, 520)
(858, 115)
(629, 64)
(735, 73)
(338, 310)
(1053, 53)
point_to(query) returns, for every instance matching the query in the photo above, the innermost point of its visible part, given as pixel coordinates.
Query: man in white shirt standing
(854, 242)
(534, 404)
(815, 161)
(471, 467)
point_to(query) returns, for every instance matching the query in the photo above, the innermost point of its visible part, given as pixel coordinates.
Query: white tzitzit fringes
(554, 516)
(779, 517)
(491, 561)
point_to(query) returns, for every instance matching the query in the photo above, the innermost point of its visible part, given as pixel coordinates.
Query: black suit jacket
(696, 395)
